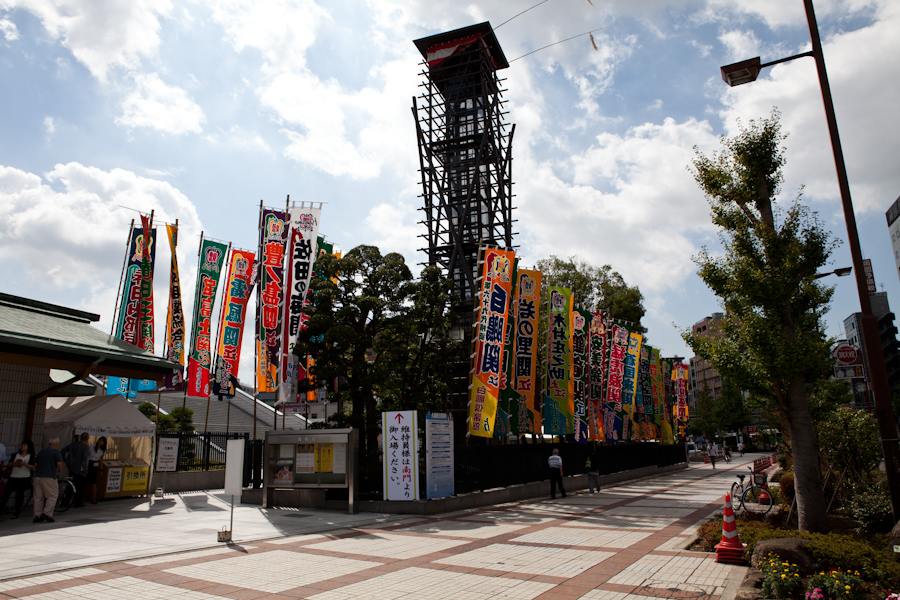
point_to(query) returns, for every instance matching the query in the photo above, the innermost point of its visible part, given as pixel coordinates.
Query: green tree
(596, 288)
(381, 334)
(165, 422)
(849, 440)
(772, 342)
(703, 419)
(732, 413)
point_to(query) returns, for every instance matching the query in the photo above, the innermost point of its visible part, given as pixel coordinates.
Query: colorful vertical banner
(212, 258)
(507, 417)
(581, 357)
(629, 383)
(231, 321)
(559, 360)
(597, 376)
(174, 315)
(643, 406)
(657, 393)
(301, 247)
(681, 406)
(145, 313)
(127, 327)
(668, 428)
(528, 295)
(272, 241)
(496, 288)
(613, 409)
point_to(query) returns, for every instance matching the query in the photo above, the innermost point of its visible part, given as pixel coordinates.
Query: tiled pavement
(625, 543)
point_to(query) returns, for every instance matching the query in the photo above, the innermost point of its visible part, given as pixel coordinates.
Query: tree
(378, 332)
(772, 342)
(703, 420)
(179, 419)
(732, 413)
(596, 288)
(849, 440)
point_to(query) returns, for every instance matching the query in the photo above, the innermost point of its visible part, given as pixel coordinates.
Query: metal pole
(884, 412)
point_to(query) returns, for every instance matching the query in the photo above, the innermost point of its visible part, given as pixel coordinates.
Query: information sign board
(439, 477)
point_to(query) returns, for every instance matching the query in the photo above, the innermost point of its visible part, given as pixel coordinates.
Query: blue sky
(200, 109)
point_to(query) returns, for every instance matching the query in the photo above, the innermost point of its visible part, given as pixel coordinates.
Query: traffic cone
(730, 550)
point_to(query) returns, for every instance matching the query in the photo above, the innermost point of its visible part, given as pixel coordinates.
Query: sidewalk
(625, 543)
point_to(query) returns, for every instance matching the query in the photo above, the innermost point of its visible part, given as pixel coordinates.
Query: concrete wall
(188, 481)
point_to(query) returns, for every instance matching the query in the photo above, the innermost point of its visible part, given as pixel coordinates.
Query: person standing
(46, 486)
(19, 480)
(712, 454)
(741, 448)
(556, 474)
(76, 455)
(593, 472)
(95, 453)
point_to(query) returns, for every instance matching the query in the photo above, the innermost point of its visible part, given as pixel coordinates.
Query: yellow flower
(846, 587)
(783, 575)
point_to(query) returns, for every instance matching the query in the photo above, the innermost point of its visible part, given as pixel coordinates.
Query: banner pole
(260, 271)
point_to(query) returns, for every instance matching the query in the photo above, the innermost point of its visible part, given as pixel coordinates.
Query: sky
(199, 110)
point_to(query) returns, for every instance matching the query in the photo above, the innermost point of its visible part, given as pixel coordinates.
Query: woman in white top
(19, 480)
(95, 453)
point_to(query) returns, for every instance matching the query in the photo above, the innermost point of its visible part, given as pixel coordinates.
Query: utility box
(311, 460)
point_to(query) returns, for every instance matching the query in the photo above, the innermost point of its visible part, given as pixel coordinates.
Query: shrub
(786, 484)
(870, 505)
(836, 585)
(780, 579)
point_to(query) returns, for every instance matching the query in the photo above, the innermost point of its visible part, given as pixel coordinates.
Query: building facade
(893, 221)
(888, 332)
(702, 374)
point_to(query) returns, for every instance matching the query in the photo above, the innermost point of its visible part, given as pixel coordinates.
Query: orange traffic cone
(730, 550)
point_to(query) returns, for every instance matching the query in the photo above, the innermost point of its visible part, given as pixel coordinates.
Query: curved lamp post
(747, 71)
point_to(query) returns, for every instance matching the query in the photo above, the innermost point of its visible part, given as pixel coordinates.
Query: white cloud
(396, 228)
(9, 30)
(155, 105)
(740, 44)
(49, 125)
(101, 34)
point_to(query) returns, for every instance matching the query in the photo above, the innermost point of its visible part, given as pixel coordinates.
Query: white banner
(439, 455)
(167, 455)
(299, 258)
(401, 455)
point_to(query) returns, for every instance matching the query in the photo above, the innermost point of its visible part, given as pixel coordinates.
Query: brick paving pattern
(625, 543)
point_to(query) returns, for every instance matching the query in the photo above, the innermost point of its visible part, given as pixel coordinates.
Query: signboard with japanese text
(231, 322)
(439, 476)
(167, 455)
(559, 356)
(657, 393)
(527, 307)
(668, 427)
(401, 455)
(301, 255)
(145, 314)
(130, 305)
(629, 380)
(272, 240)
(507, 419)
(870, 275)
(496, 286)
(200, 357)
(643, 400)
(597, 376)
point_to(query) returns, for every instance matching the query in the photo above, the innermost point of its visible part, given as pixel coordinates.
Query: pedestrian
(19, 480)
(556, 474)
(76, 456)
(741, 448)
(727, 453)
(46, 486)
(95, 453)
(712, 455)
(593, 472)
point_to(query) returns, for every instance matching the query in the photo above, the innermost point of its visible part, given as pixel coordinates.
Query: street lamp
(840, 272)
(747, 71)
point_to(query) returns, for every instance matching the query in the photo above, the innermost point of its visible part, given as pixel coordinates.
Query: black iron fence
(206, 452)
(479, 468)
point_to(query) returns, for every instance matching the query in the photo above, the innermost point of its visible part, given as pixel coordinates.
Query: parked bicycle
(752, 496)
(64, 500)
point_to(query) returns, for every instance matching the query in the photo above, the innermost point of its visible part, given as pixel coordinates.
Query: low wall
(188, 481)
(536, 489)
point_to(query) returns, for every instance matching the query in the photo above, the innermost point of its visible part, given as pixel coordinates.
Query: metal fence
(479, 468)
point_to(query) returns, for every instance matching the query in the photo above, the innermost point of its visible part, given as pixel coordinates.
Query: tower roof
(465, 35)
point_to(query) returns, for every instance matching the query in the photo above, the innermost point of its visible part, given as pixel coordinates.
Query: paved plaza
(625, 543)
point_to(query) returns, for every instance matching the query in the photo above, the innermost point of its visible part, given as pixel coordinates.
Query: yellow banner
(482, 409)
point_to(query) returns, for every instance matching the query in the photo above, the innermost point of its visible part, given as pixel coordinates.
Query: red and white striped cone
(730, 550)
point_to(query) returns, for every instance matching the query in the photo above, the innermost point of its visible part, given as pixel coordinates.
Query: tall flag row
(281, 267)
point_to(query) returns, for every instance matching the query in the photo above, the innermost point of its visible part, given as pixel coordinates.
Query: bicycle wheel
(66, 496)
(736, 492)
(757, 500)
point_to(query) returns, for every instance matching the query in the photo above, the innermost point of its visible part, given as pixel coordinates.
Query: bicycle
(64, 500)
(752, 497)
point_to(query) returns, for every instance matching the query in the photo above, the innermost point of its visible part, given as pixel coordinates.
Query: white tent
(110, 416)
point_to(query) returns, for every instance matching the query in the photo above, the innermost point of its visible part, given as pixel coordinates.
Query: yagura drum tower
(465, 156)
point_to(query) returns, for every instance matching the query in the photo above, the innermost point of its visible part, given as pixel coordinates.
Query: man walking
(712, 454)
(76, 455)
(556, 474)
(593, 472)
(46, 485)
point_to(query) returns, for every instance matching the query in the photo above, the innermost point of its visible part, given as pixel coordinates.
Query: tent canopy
(111, 416)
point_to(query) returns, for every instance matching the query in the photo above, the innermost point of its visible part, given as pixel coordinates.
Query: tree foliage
(772, 343)
(380, 334)
(596, 287)
(849, 440)
(178, 419)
